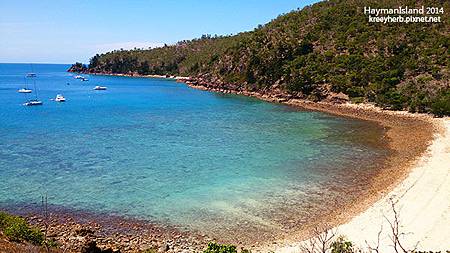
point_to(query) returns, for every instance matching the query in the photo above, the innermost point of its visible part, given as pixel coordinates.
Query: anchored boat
(100, 87)
(24, 90)
(60, 98)
(35, 101)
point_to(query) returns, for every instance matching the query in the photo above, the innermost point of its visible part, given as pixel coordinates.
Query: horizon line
(48, 63)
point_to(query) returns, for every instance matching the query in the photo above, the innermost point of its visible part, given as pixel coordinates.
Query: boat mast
(34, 81)
(35, 90)
(25, 82)
(26, 85)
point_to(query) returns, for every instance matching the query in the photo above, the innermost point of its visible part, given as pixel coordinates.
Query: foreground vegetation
(329, 47)
(324, 240)
(18, 230)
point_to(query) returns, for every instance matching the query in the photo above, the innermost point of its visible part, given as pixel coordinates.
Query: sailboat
(24, 89)
(35, 101)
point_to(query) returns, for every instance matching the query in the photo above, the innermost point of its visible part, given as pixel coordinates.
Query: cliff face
(324, 49)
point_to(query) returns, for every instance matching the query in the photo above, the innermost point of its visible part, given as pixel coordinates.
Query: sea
(158, 150)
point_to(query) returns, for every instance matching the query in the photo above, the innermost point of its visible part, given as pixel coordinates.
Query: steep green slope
(326, 48)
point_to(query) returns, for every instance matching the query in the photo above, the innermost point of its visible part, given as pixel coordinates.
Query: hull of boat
(33, 103)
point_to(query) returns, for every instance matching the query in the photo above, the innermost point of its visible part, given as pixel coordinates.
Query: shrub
(17, 229)
(341, 246)
(441, 105)
(222, 248)
(3, 217)
(51, 243)
(357, 100)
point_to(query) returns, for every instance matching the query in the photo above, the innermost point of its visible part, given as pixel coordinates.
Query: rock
(338, 97)
(164, 248)
(91, 247)
(84, 231)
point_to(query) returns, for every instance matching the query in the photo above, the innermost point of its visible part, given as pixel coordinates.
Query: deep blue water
(159, 150)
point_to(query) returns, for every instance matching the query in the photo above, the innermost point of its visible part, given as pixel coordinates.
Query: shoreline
(402, 130)
(413, 139)
(409, 137)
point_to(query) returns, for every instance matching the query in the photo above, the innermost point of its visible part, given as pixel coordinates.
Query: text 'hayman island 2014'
(404, 14)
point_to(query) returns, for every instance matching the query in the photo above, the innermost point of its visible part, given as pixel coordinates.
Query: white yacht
(24, 90)
(100, 87)
(60, 98)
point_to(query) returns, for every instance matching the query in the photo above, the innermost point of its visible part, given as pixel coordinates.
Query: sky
(65, 31)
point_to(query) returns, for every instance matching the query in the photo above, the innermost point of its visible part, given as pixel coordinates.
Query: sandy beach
(416, 179)
(422, 201)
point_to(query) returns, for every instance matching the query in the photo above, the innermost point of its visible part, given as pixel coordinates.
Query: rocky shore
(76, 231)
(274, 94)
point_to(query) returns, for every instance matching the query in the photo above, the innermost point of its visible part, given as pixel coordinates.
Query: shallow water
(159, 150)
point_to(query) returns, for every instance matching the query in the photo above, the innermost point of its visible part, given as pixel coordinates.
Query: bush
(51, 243)
(3, 217)
(357, 100)
(441, 105)
(17, 229)
(341, 246)
(222, 248)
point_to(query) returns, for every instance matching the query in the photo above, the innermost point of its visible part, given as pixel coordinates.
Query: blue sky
(66, 31)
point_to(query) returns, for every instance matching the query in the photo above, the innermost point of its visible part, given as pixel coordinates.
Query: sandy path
(422, 201)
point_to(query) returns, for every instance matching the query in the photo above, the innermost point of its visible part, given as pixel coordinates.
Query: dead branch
(320, 242)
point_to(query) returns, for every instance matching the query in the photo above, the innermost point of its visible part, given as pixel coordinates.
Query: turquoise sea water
(159, 150)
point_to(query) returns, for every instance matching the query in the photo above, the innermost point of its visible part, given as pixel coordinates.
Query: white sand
(423, 204)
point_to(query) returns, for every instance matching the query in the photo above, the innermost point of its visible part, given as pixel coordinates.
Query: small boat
(78, 77)
(36, 101)
(31, 75)
(24, 90)
(33, 102)
(100, 87)
(60, 98)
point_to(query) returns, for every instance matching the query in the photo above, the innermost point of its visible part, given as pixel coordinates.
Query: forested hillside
(327, 48)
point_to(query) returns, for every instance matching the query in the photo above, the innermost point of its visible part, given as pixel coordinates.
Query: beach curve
(422, 201)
